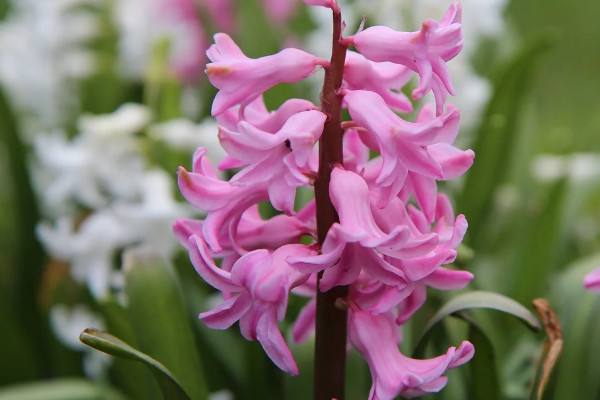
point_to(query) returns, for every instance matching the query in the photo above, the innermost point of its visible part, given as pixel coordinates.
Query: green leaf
(540, 245)
(28, 253)
(497, 132)
(473, 300)
(134, 380)
(160, 320)
(484, 383)
(114, 346)
(60, 389)
(578, 369)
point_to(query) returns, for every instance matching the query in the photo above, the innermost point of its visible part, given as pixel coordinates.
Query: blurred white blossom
(103, 171)
(43, 52)
(184, 134)
(578, 167)
(67, 323)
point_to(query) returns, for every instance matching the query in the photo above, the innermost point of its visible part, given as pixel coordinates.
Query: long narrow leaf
(484, 374)
(473, 300)
(160, 321)
(28, 251)
(497, 133)
(114, 346)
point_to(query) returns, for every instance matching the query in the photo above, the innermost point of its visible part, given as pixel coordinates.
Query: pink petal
(454, 162)
(305, 322)
(592, 281)
(350, 197)
(448, 279)
(269, 336)
(227, 313)
(375, 338)
(184, 228)
(242, 79)
(206, 268)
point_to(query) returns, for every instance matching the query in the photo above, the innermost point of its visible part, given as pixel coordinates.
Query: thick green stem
(331, 321)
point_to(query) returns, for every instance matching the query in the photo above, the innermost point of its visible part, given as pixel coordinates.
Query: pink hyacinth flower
(252, 231)
(453, 162)
(188, 57)
(204, 190)
(283, 161)
(404, 146)
(241, 79)
(323, 3)
(358, 236)
(279, 10)
(376, 338)
(592, 281)
(386, 79)
(261, 281)
(221, 12)
(424, 52)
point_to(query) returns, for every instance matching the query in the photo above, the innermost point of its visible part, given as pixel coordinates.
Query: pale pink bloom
(222, 13)
(386, 79)
(453, 162)
(189, 61)
(323, 3)
(225, 202)
(252, 232)
(404, 146)
(592, 281)
(376, 338)
(359, 242)
(283, 161)
(394, 253)
(257, 115)
(241, 79)
(424, 52)
(279, 10)
(260, 282)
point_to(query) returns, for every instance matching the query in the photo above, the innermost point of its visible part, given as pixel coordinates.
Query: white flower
(149, 221)
(186, 135)
(125, 121)
(579, 167)
(98, 164)
(43, 54)
(67, 324)
(89, 247)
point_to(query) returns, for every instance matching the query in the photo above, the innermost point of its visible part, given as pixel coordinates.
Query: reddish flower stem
(331, 321)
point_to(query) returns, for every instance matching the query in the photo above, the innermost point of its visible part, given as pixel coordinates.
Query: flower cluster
(395, 232)
(100, 196)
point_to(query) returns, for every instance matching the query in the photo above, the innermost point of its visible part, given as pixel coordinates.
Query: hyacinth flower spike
(368, 247)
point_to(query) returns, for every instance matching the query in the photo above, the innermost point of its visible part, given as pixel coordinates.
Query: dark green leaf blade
(114, 346)
(484, 374)
(160, 320)
(497, 133)
(478, 299)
